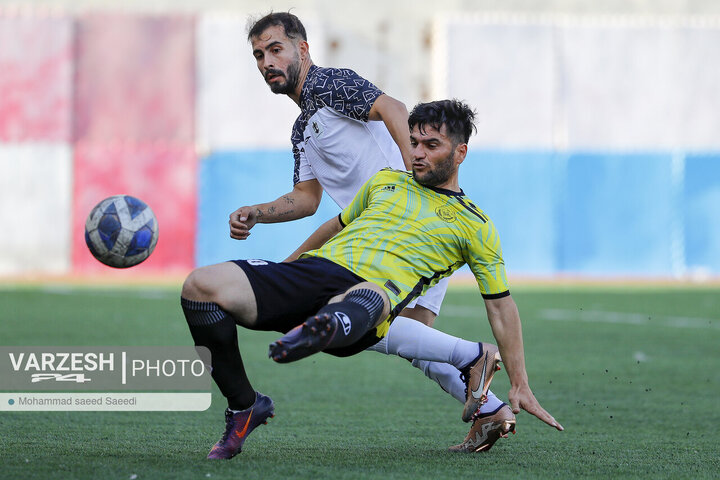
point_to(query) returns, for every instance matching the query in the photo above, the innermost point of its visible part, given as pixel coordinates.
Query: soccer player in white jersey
(347, 131)
(344, 293)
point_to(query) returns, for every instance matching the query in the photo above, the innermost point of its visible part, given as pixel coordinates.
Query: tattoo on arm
(276, 210)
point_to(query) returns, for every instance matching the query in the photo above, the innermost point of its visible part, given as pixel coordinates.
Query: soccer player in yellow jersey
(401, 234)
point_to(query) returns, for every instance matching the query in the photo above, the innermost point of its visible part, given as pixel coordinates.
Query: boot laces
(465, 377)
(229, 424)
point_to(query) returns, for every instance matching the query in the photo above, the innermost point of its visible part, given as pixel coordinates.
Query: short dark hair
(457, 116)
(291, 24)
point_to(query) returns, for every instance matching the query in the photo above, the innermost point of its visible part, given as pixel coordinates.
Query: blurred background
(597, 153)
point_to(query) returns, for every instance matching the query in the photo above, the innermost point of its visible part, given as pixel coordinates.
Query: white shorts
(433, 298)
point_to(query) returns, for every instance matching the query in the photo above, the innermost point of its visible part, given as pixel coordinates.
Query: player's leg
(412, 340)
(493, 419)
(443, 358)
(343, 321)
(450, 379)
(213, 299)
(424, 310)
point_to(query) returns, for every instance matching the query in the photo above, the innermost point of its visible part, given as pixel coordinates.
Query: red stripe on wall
(162, 175)
(135, 78)
(134, 129)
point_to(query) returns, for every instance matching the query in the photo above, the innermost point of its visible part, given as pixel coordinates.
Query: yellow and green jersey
(404, 237)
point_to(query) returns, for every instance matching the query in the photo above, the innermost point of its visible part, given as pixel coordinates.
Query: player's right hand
(241, 221)
(523, 398)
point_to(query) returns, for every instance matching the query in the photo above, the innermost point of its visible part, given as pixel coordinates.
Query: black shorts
(288, 293)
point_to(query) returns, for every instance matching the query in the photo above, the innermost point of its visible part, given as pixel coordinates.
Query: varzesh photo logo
(79, 365)
(105, 378)
(50, 365)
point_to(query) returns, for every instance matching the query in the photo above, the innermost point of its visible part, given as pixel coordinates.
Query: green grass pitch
(633, 373)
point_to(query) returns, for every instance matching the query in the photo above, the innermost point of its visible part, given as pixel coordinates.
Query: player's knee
(373, 298)
(198, 286)
(226, 285)
(189, 288)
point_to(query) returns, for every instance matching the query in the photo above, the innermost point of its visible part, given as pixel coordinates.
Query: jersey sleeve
(485, 260)
(303, 171)
(346, 92)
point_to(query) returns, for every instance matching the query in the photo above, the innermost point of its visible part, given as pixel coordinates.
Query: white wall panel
(649, 87)
(35, 206)
(698, 86)
(235, 108)
(621, 87)
(579, 82)
(506, 72)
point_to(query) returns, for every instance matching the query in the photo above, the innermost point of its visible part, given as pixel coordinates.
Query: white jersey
(333, 141)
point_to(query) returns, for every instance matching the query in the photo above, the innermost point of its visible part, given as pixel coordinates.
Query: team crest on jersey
(446, 213)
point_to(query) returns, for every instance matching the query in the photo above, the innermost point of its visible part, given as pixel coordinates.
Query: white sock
(447, 376)
(411, 339)
(438, 355)
(492, 404)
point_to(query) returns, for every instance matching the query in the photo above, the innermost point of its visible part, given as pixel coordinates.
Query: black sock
(356, 314)
(213, 328)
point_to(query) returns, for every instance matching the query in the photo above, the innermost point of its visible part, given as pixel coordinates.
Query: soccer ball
(121, 231)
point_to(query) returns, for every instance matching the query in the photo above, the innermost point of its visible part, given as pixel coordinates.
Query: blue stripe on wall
(701, 206)
(616, 214)
(520, 193)
(596, 213)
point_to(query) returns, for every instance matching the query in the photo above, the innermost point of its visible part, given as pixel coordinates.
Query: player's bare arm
(505, 322)
(301, 202)
(318, 238)
(395, 116)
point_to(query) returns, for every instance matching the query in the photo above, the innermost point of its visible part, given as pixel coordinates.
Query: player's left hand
(523, 398)
(241, 221)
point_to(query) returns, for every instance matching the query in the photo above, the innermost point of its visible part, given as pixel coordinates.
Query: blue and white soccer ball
(121, 231)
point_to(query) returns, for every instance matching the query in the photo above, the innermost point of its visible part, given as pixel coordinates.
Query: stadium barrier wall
(36, 199)
(628, 105)
(577, 83)
(701, 213)
(585, 213)
(35, 153)
(596, 151)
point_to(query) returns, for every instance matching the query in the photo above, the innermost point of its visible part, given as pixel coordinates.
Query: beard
(438, 175)
(292, 77)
